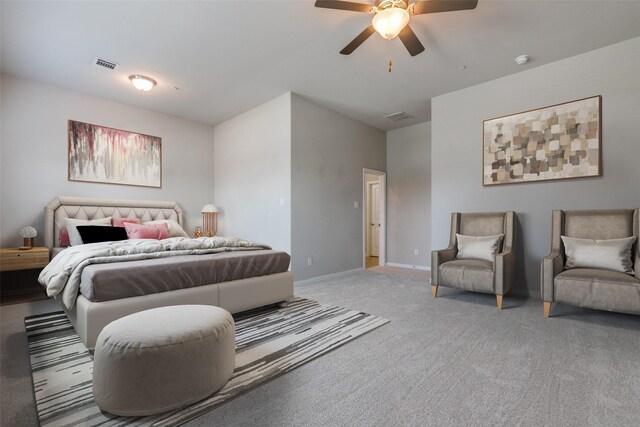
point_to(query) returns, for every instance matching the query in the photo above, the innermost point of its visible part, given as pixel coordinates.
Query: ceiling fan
(391, 18)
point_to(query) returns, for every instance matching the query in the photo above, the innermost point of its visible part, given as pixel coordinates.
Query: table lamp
(28, 235)
(209, 220)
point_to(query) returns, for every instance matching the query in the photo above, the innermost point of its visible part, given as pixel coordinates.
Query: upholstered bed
(97, 305)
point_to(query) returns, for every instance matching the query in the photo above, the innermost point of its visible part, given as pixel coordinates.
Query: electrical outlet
(309, 262)
(416, 252)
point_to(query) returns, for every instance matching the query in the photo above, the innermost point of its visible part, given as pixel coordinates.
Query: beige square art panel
(556, 142)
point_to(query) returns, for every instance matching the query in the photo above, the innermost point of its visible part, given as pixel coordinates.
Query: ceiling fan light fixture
(389, 22)
(142, 83)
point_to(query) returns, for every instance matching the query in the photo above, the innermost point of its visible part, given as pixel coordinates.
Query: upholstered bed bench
(163, 359)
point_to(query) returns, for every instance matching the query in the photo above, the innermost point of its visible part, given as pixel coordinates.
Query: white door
(375, 219)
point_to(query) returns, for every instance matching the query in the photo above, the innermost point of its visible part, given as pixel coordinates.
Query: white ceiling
(229, 56)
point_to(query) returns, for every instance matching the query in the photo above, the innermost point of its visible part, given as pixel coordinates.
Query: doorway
(374, 217)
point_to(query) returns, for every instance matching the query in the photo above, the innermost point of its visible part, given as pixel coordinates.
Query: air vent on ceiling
(99, 62)
(396, 117)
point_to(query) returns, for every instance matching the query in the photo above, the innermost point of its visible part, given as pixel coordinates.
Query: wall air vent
(99, 62)
(396, 117)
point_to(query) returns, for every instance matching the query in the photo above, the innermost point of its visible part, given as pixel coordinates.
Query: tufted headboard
(87, 208)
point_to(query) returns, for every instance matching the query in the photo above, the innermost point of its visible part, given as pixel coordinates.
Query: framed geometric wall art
(556, 142)
(113, 156)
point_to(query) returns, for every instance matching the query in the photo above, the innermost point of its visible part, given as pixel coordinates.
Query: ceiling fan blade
(435, 6)
(358, 40)
(410, 41)
(344, 5)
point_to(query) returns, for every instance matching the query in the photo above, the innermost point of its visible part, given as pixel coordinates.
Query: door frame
(369, 218)
(382, 180)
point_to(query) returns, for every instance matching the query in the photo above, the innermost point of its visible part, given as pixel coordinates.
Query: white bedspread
(63, 273)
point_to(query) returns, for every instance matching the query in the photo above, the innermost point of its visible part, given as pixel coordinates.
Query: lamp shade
(209, 208)
(389, 22)
(142, 83)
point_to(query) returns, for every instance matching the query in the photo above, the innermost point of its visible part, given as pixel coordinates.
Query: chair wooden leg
(499, 299)
(547, 309)
(434, 290)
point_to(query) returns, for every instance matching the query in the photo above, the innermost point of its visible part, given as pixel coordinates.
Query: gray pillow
(611, 254)
(478, 247)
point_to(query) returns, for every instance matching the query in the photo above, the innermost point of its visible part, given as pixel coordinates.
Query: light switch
(356, 204)
(281, 201)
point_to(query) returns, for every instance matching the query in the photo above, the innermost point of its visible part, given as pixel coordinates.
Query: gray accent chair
(477, 275)
(590, 287)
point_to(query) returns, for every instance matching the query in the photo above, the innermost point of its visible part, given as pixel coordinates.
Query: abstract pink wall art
(112, 156)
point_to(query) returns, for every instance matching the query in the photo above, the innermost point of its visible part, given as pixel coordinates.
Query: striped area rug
(269, 343)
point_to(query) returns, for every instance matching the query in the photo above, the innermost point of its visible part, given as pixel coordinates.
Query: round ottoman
(163, 359)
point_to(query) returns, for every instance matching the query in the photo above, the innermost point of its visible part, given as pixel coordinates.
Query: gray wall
(612, 72)
(34, 154)
(409, 195)
(328, 153)
(252, 174)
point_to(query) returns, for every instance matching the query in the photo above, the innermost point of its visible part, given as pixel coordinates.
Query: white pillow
(175, 230)
(611, 254)
(478, 247)
(74, 235)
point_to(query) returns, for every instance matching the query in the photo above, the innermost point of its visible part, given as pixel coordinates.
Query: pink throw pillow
(119, 222)
(139, 231)
(63, 237)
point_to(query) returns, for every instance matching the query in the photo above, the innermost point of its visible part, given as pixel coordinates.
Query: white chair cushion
(478, 247)
(610, 254)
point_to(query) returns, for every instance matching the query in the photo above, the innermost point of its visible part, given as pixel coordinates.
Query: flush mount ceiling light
(522, 59)
(391, 18)
(142, 83)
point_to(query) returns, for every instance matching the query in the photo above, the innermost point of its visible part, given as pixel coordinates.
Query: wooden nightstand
(20, 269)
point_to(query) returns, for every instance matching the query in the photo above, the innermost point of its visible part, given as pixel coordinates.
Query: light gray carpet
(455, 360)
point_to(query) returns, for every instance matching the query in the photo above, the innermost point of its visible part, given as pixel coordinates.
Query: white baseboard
(326, 277)
(415, 267)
